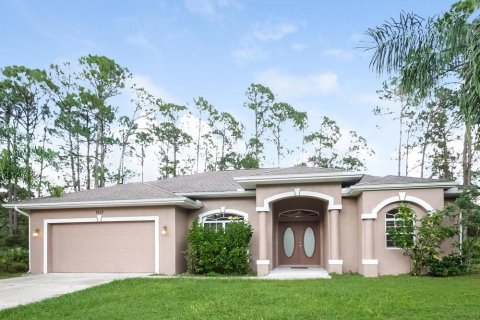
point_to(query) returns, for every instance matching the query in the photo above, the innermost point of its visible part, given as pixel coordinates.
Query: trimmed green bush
(219, 252)
(14, 260)
(451, 265)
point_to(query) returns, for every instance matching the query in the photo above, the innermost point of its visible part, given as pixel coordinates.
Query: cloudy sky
(307, 52)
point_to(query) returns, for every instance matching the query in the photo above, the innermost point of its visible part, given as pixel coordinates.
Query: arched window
(218, 221)
(391, 221)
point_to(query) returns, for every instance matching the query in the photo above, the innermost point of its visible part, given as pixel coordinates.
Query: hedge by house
(219, 252)
(14, 260)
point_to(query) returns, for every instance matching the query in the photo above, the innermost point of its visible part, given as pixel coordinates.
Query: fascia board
(182, 202)
(356, 190)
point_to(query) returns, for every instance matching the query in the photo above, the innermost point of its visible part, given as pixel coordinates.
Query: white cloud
(288, 85)
(249, 51)
(209, 8)
(338, 54)
(271, 31)
(147, 83)
(253, 44)
(298, 46)
(139, 39)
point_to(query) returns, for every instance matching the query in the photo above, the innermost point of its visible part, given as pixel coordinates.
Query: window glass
(219, 221)
(390, 222)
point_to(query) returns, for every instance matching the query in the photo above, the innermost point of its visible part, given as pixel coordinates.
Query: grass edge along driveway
(343, 297)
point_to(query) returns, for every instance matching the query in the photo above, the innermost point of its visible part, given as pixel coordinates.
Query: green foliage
(451, 265)
(466, 212)
(14, 260)
(422, 238)
(219, 252)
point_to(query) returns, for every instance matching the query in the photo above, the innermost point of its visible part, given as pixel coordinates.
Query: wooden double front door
(299, 243)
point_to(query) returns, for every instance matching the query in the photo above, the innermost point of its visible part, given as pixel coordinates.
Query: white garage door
(102, 247)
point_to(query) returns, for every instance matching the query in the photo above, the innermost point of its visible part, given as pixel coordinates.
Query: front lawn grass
(343, 297)
(5, 275)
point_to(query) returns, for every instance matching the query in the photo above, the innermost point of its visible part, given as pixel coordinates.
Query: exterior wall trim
(263, 262)
(335, 262)
(296, 193)
(370, 261)
(155, 219)
(402, 196)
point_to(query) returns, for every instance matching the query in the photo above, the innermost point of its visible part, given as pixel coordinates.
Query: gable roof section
(297, 174)
(390, 182)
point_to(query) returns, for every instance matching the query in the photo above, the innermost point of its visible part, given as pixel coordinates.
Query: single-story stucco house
(301, 216)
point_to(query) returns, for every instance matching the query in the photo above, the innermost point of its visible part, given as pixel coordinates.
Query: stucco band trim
(338, 262)
(370, 261)
(402, 196)
(155, 219)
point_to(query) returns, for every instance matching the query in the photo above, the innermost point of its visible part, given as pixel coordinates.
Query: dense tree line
(84, 125)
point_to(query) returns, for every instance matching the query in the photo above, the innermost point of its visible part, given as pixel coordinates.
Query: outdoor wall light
(36, 232)
(164, 231)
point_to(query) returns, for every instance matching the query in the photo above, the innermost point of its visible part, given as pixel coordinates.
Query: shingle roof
(131, 191)
(215, 181)
(390, 179)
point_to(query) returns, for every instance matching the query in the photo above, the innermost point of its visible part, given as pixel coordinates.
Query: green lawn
(343, 297)
(4, 275)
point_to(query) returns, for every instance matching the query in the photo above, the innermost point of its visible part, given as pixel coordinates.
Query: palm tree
(426, 54)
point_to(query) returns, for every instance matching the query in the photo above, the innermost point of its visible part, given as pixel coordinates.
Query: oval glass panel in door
(288, 242)
(309, 242)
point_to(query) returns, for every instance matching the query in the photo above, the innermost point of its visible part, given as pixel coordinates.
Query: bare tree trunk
(88, 165)
(400, 137)
(72, 161)
(467, 156)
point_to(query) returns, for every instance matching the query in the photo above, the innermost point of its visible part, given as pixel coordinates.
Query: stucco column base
(262, 269)
(370, 270)
(335, 268)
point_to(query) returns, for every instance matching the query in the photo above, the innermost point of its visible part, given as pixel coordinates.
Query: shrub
(14, 260)
(451, 265)
(219, 252)
(429, 234)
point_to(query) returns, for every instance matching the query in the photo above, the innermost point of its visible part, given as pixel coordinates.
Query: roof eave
(357, 189)
(250, 182)
(183, 202)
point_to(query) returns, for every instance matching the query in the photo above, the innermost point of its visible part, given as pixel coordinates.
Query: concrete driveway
(31, 288)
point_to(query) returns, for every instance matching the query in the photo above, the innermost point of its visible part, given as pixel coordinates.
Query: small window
(391, 222)
(219, 221)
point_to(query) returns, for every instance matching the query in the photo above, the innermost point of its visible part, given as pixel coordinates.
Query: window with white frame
(219, 221)
(391, 221)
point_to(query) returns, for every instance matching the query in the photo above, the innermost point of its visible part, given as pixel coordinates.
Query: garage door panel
(103, 247)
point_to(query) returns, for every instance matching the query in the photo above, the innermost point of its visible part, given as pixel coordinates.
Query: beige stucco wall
(349, 245)
(392, 261)
(178, 220)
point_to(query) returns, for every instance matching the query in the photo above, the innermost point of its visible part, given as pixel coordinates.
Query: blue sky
(305, 51)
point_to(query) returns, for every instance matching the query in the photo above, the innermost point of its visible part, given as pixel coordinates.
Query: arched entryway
(299, 231)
